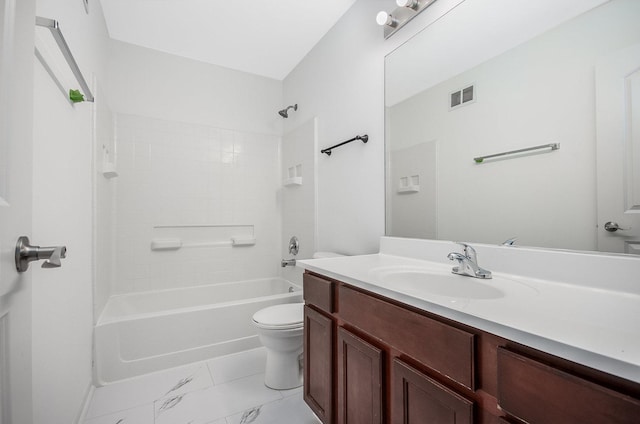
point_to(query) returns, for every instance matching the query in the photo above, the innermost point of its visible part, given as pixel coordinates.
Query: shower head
(284, 112)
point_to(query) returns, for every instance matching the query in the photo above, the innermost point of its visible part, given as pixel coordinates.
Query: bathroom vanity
(378, 350)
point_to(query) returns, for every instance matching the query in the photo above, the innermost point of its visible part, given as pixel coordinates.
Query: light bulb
(413, 4)
(383, 18)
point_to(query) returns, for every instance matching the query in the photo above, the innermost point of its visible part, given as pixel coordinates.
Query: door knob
(613, 227)
(26, 253)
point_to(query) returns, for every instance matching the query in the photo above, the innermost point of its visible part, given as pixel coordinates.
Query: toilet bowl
(280, 328)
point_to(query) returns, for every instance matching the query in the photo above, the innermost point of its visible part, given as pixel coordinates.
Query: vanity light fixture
(383, 18)
(406, 10)
(413, 4)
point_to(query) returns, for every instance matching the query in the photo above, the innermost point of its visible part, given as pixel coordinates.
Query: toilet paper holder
(26, 253)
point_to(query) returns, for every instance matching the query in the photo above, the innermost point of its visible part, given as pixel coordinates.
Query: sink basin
(439, 281)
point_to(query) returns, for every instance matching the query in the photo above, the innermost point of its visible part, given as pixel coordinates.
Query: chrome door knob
(613, 227)
(26, 253)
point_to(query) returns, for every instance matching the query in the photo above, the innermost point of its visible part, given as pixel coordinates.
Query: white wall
(104, 202)
(341, 81)
(62, 214)
(158, 85)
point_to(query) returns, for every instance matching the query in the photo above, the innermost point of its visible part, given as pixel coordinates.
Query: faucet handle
(469, 251)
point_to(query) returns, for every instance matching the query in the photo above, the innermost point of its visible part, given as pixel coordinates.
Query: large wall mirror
(500, 76)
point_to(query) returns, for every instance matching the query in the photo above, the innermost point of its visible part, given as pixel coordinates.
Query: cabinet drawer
(318, 292)
(445, 349)
(524, 385)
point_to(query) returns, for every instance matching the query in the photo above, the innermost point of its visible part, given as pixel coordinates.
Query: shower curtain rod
(54, 27)
(364, 139)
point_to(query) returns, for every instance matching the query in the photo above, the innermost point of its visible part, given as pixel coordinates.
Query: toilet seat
(284, 316)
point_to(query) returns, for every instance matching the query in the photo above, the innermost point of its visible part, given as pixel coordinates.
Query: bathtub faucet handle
(294, 246)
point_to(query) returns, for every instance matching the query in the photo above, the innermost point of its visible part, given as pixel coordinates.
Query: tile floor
(225, 390)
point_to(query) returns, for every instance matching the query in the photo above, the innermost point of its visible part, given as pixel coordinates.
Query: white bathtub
(145, 332)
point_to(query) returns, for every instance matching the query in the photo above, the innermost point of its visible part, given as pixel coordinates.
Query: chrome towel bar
(54, 27)
(552, 146)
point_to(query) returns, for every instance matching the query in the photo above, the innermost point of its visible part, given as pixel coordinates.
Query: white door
(618, 150)
(16, 98)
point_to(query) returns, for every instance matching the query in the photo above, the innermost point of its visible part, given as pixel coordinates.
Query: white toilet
(280, 329)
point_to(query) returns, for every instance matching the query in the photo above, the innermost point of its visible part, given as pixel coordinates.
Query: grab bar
(54, 28)
(364, 139)
(552, 146)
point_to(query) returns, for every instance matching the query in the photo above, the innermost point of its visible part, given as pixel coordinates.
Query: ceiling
(263, 37)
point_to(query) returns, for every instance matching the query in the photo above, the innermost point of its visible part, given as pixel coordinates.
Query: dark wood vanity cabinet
(373, 360)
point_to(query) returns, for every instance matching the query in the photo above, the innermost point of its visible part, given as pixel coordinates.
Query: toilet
(280, 328)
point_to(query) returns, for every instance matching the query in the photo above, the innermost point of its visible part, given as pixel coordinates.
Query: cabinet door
(418, 399)
(359, 380)
(318, 364)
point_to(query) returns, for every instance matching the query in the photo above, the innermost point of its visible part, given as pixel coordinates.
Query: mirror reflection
(471, 85)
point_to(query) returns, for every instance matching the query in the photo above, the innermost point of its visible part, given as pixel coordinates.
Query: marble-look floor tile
(140, 415)
(214, 403)
(288, 410)
(146, 389)
(238, 365)
(291, 392)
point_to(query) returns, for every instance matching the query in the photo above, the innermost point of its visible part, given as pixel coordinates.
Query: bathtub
(144, 332)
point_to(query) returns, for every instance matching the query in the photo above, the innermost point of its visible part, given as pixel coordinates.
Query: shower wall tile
(180, 174)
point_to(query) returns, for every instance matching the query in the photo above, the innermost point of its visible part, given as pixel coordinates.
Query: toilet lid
(285, 315)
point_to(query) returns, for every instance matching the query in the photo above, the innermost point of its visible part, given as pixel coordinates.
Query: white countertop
(595, 326)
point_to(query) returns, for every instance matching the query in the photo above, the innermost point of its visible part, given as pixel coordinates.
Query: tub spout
(288, 262)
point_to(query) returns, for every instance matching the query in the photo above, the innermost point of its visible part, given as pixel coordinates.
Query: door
(618, 150)
(16, 81)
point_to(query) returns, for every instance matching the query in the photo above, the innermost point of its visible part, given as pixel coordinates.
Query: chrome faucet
(468, 263)
(294, 248)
